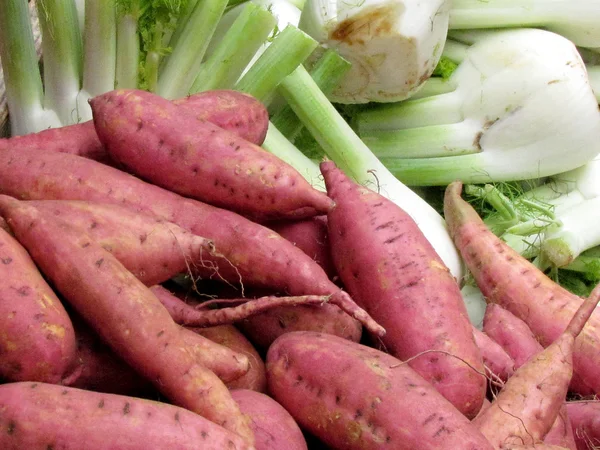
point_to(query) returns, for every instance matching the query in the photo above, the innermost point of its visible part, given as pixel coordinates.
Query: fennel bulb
(393, 45)
(520, 107)
(578, 20)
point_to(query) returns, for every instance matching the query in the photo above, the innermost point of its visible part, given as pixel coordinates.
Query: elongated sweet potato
(40, 416)
(37, 341)
(311, 236)
(514, 283)
(395, 274)
(355, 397)
(516, 338)
(529, 403)
(254, 254)
(498, 363)
(235, 111)
(511, 333)
(585, 421)
(124, 313)
(98, 367)
(273, 426)
(200, 160)
(153, 249)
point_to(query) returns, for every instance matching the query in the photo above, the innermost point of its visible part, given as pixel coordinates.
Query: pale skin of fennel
(501, 119)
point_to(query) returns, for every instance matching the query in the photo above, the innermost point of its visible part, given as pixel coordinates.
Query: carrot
(514, 283)
(40, 416)
(529, 403)
(235, 111)
(254, 254)
(124, 313)
(200, 160)
(37, 340)
(392, 271)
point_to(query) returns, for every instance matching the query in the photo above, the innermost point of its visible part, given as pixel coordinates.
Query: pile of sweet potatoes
(170, 284)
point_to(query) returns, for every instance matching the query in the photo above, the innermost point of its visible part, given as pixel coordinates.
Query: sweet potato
(498, 364)
(255, 255)
(205, 316)
(511, 333)
(395, 274)
(511, 281)
(98, 367)
(309, 235)
(37, 340)
(585, 422)
(124, 313)
(235, 111)
(355, 397)
(273, 426)
(153, 249)
(229, 336)
(517, 339)
(263, 329)
(200, 160)
(529, 403)
(40, 416)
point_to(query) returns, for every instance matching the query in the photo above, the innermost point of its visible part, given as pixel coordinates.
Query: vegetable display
(299, 224)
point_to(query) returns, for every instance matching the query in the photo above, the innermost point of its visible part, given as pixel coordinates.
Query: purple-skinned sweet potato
(274, 427)
(37, 340)
(311, 236)
(124, 313)
(231, 110)
(498, 364)
(390, 269)
(356, 397)
(255, 255)
(200, 160)
(529, 403)
(41, 416)
(508, 279)
(585, 422)
(153, 249)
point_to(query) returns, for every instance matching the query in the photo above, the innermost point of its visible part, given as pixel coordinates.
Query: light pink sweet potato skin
(124, 313)
(511, 333)
(200, 160)
(530, 295)
(274, 427)
(229, 336)
(311, 236)
(528, 405)
(585, 422)
(153, 249)
(37, 340)
(392, 271)
(40, 416)
(264, 328)
(235, 111)
(517, 339)
(355, 397)
(496, 360)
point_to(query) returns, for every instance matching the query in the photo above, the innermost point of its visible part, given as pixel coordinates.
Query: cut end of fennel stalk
(393, 45)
